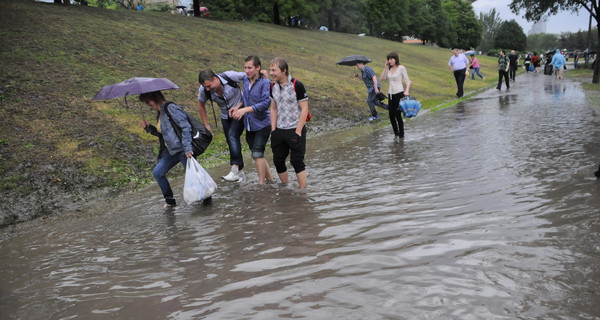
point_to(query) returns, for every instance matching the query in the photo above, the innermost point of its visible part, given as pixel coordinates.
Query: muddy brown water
(486, 210)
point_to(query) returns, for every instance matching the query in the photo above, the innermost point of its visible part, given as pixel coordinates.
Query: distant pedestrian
(396, 75)
(576, 60)
(527, 61)
(289, 111)
(514, 64)
(373, 89)
(458, 65)
(474, 66)
(536, 61)
(503, 66)
(558, 61)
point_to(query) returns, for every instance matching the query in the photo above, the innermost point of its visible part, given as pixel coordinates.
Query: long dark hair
(393, 55)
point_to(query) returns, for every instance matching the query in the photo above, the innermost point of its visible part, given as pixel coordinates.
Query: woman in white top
(396, 75)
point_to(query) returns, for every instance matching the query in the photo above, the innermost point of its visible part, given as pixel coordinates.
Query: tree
(534, 9)
(510, 35)
(437, 29)
(466, 29)
(387, 18)
(490, 22)
(542, 42)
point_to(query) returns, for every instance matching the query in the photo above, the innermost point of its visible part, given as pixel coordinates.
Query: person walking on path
(527, 61)
(514, 64)
(503, 66)
(224, 91)
(373, 89)
(172, 149)
(396, 75)
(558, 61)
(458, 65)
(289, 109)
(256, 116)
(474, 66)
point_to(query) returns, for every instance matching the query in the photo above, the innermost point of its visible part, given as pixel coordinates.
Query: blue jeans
(372, 102)
(475, 71)
(165, 163)
(233, 130)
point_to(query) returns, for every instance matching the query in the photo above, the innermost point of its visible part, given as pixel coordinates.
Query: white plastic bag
(198, 184)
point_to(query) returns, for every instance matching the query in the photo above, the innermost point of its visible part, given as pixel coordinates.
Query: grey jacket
(172, 141)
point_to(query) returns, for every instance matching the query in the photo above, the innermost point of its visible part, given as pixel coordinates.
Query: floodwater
(486, 210)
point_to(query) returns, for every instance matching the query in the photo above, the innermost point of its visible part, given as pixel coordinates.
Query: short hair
(281, 64)
(255, 60)
(155, 96)
(393, 55)
(206, 75)
(503, 51)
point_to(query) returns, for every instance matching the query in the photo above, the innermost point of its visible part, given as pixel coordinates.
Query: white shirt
(395, 79)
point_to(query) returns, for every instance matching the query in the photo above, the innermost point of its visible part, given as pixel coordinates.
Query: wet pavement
(486, 210)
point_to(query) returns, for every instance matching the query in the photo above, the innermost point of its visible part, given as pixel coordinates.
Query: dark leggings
(396, 114)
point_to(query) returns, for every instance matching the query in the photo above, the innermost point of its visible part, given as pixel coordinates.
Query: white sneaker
(242, 176)
(231, 177)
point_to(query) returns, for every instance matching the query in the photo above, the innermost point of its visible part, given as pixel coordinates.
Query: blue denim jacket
(172, 141)
(257, 96)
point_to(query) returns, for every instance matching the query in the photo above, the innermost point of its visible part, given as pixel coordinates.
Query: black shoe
(170, 202)
(597, 173)
(498, 88)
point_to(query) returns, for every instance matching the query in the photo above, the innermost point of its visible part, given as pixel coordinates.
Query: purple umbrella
(134, 86)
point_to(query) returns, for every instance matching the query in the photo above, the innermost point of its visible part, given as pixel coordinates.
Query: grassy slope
(57, 145)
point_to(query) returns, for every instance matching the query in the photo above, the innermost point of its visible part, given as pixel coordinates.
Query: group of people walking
(278, 110)
(264, 109)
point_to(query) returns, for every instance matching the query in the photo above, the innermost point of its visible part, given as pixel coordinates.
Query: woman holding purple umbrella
(172, 148)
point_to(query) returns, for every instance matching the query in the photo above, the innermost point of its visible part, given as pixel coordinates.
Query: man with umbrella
(370, 79)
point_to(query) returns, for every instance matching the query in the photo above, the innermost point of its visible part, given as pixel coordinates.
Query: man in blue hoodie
(558, 61)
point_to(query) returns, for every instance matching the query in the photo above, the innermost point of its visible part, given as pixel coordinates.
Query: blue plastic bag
(531, 67)
(409, 106)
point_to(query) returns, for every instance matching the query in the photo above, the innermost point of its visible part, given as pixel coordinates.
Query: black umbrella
(353, 60)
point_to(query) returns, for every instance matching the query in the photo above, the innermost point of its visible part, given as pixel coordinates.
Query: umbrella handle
(214, 114)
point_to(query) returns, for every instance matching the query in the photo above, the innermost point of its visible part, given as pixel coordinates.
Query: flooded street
(486, 210)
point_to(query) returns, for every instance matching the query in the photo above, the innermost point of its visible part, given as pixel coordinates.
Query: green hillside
(58, 147)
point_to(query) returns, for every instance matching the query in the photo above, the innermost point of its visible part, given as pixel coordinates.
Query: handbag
(198, 184)
(409, 106)
(201, 136)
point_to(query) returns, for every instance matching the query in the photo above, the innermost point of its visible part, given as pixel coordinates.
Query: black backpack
(201, 137)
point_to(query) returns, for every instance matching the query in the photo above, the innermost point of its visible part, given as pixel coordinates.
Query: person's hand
(299, 133)
(189, 154)
(355, 74)
(144, 124)
(264, 73)
(208, 127)
(239, 113)
(387, 64)
(232, 110)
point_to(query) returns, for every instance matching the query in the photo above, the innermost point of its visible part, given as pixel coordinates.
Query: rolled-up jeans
(233, 130)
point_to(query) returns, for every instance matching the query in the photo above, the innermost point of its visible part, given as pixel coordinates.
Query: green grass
(55, 58)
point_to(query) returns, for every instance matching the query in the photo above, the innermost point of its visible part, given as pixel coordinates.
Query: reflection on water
(486, 210)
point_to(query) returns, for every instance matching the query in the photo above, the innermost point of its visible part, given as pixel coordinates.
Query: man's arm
(273, 111)
(303, 114)
(203, 116)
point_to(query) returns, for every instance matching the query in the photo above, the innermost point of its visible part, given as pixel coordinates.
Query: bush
(161, 7)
